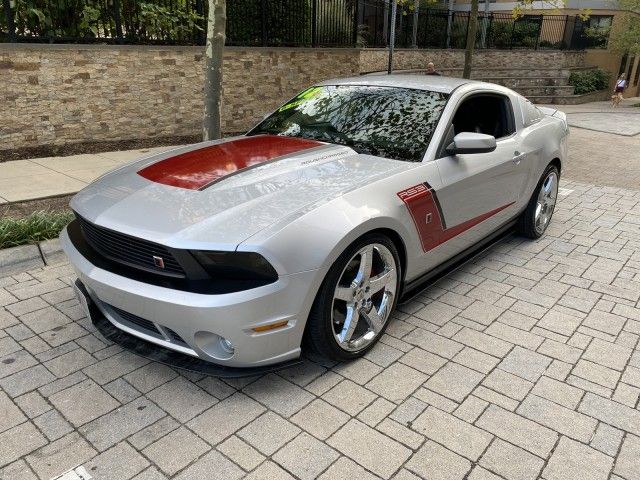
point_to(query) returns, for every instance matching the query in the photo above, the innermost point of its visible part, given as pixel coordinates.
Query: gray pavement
(621, 123)
(523, 364)
(602, 117)
(605, 159)
(604, 143)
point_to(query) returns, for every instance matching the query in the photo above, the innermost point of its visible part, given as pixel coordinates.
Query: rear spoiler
(547, 110)
(553, 112)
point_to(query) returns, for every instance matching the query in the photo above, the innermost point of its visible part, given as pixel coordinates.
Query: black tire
(526, 222)
(319, 333)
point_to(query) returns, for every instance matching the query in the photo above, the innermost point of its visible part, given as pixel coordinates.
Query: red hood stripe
(198, 168)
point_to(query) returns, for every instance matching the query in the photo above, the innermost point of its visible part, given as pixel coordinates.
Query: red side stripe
(421, 202)
(198, 168)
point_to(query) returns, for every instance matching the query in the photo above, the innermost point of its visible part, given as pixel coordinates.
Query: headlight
(241, 266)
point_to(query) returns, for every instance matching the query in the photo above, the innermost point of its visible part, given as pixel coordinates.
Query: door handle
(517, 157)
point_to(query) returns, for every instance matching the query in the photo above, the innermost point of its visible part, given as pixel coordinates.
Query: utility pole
(449, 23)
(416, 18)
(392, 34)
(485, 22)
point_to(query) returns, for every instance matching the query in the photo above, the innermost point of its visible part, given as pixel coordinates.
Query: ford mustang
(311, 227)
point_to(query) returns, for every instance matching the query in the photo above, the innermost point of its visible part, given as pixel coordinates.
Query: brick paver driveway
(525, 363)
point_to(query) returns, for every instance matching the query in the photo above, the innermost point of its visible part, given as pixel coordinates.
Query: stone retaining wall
(376, 59)
(597, 96)
(53, 95)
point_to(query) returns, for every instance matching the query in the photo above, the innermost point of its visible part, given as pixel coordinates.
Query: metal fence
(303, 23)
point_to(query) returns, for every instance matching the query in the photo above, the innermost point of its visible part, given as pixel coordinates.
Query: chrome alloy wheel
(546, 202)
(364, 296)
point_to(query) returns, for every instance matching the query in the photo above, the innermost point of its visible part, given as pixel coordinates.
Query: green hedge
(506, 34)
(587, 81)
(288, 22)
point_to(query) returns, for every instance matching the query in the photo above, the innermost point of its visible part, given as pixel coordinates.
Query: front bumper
(170, 357)
(194, 323)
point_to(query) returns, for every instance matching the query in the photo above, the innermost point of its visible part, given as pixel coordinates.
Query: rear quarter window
(530, 113)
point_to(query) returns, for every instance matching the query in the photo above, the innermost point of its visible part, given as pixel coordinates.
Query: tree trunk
(471, 39)
(216, 26)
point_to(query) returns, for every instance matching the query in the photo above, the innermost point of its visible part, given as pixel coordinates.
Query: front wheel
(352, 308)
(537, 216)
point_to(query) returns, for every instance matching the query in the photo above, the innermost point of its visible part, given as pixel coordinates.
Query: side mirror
(469, 142)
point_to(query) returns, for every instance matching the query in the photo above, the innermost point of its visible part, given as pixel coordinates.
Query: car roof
(433, 83)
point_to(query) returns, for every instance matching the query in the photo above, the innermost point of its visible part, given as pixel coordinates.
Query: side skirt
(415, 287)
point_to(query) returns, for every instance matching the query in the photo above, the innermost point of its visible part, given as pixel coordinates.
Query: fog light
(226, 345)
(214, 345)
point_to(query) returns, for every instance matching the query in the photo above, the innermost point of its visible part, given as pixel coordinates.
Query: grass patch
(35, 227)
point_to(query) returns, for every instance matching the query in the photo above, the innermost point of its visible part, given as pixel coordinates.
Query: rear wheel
(352, 308)
(537, 216)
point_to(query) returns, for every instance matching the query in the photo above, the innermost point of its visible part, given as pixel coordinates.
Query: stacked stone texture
(60, 94)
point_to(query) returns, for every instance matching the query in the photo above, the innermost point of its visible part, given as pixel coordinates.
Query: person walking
(431, 69)
(617, 96)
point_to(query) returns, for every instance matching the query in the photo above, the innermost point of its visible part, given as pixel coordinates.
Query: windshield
(389, 122)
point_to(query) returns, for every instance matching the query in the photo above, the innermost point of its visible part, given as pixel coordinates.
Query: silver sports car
(311, 227)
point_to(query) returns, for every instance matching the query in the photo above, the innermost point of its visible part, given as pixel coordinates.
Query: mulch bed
(22, 209)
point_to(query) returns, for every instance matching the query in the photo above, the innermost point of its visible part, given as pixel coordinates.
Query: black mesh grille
(132, 251)
(146, 325)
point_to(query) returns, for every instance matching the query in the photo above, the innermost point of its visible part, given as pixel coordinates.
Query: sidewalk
(22, 180)
(601, 117)
(626, 105)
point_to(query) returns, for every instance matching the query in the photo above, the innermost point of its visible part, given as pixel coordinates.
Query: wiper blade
(342, 144)
(359, 149)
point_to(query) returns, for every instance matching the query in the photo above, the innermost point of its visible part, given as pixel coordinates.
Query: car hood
(217, 194)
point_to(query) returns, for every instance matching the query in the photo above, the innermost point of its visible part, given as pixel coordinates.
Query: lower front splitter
(175, 359)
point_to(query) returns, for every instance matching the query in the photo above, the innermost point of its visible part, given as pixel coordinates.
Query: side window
(490, 114)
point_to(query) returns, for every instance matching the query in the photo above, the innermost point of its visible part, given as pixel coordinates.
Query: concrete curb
(27, 257)
(52, 252)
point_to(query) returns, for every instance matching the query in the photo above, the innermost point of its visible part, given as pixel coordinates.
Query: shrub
(288, 22)
(587, 81)
(525, 33)
(161, 23)
(550, 45)
(335, 23)
(500, 34)
(513, 34)
(151, 20)
(35, 227)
